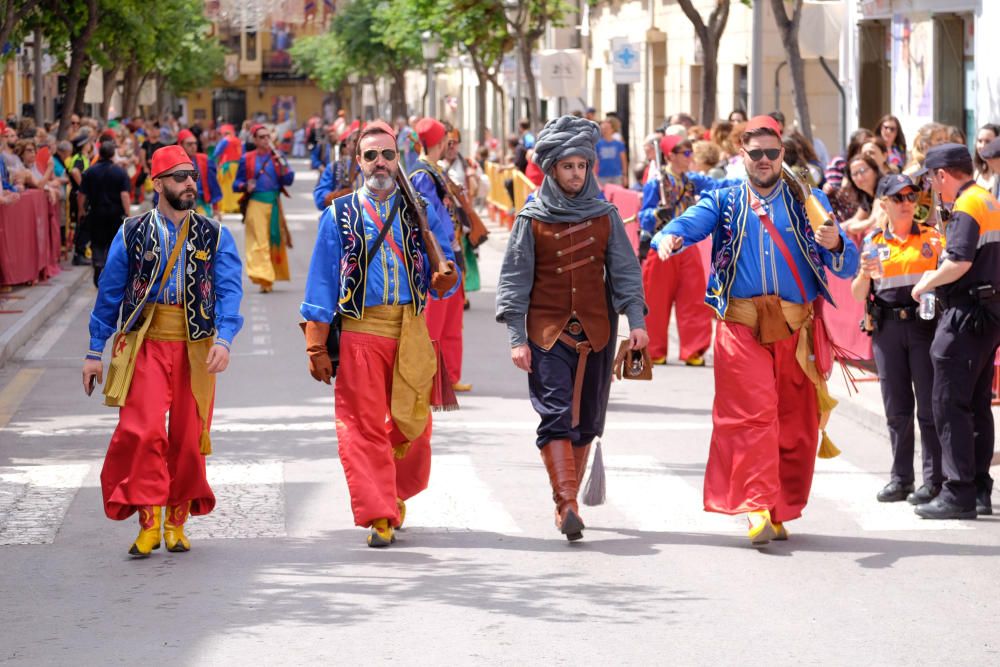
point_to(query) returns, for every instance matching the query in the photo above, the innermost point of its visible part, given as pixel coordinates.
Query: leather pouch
(632, 364)
(771, 323)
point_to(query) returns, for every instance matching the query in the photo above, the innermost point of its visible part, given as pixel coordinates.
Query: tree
(13, 15)
(789, 28)
(529, 22)
(72, 25)
(709, 36)
(476, 28)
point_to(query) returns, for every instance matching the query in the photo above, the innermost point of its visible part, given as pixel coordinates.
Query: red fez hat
(254, 128)
(227, 129)
(431, 131)
(377, 127)
(184, 134)
(168, 157)
(107, 134)
(354, 127)
(670, 142)
(764, 123)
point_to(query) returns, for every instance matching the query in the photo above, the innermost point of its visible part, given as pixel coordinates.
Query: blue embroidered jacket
(342, 279)
(745, 260)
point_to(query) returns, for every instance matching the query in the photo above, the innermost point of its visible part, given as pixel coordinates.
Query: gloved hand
(664, 214)
(442, 282)
(320, 366)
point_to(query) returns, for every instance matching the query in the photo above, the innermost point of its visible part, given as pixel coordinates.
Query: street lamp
(352, 81)
(512, 11)
(431, 49)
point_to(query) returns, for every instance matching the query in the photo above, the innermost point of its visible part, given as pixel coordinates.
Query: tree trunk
(130, 89)
(789, 28)
(80, 105)
(78, 56)
(534, 110)
(398, 93)
(110, 85)
(480, 100)
(709, 36)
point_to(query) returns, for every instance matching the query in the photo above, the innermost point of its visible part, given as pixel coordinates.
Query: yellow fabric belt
(416, 362)
(170, 325)
(798, 316)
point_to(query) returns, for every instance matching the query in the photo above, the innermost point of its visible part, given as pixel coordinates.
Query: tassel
(399, 451)
(596, 490)
(827, 450)
(443, 398)
(206, 443)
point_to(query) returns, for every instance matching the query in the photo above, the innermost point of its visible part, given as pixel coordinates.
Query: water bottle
(870, 251)
(927, 304)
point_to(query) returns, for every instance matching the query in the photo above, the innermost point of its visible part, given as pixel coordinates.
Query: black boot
(924, 494)
(893, 492)
(984, 502)
(940, 508)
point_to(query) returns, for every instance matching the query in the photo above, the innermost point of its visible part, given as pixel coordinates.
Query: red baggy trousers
(444, 322)
(366, 434)
(765, 427)
(153, 461)
(678, 282)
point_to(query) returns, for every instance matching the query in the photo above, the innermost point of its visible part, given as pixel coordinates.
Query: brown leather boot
(580, 455)
(558, 458)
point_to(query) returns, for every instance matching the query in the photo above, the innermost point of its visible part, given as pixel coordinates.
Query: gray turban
(566, 136)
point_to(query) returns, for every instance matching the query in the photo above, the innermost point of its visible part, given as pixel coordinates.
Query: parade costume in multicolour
(770, 400)
(226, 156)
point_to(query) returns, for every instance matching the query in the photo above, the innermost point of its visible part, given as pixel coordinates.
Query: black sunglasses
(182, 175)
(371, 154)
(900, 198)
(757, 153)
(686, 153)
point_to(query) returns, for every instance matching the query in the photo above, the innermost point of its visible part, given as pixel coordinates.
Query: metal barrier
(522, 188)
(498, 203)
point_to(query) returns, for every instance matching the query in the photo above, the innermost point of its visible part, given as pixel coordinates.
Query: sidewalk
(24, 310)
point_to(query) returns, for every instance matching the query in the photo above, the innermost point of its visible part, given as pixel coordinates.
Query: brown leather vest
(569, 281)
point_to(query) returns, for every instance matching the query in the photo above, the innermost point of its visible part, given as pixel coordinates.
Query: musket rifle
(817, 214)
(439, 262)
(477, 230)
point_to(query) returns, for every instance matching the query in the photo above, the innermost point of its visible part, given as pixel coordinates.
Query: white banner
(562, 73)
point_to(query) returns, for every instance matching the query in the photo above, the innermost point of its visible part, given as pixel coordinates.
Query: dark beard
(762, 183)
(177, 203)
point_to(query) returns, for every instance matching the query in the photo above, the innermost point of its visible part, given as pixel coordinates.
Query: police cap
(991, 150)
(893, 184)
(949, 156)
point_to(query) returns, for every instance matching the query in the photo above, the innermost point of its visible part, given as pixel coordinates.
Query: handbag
(127, 343)
(632, 364)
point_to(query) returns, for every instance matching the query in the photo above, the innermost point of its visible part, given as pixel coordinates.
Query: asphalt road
(278, 574)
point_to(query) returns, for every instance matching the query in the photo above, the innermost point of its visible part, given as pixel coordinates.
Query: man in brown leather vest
(568, 272)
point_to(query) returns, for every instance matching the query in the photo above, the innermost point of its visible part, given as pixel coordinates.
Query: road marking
(34, 500)
(647, 493)
(16, 391)
(457, 498)
(249, 502)
(853, 491)
(58, 327)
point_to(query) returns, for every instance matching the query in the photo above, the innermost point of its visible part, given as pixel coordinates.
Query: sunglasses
(860, 172)
(686, 153)
(757, 153)
(900, 198)
(371, 155)
(182, 175)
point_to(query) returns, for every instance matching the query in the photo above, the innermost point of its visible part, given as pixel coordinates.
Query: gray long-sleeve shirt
(517, 276)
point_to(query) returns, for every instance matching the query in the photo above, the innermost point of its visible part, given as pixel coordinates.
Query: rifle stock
(439, 262)
(477, 230)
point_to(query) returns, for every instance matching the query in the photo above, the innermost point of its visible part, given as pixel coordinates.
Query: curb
(35, 317)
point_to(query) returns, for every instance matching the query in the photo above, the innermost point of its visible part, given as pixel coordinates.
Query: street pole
(431, 91)
(39, 115)
(757, 61)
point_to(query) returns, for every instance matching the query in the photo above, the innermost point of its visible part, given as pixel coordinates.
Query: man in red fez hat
(678, 283)
(444, 316)
(375, 293)
(769, 267)
(262, 176)
(170, 295)
(209, 192)
(342, 175)
(226, 156)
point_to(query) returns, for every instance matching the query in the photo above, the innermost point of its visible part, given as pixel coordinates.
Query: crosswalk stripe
(34, 500)
(853, 490)
(457, 498)
(659, 500)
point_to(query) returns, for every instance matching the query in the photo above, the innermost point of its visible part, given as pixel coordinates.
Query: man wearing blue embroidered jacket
(340, 176)
(190, 319)
(769, 398)
(678, 282)
(387, 361)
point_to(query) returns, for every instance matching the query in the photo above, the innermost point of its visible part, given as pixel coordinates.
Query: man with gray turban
(568, 271)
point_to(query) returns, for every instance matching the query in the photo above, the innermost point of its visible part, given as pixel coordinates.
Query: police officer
(901, 340)
(967, 336)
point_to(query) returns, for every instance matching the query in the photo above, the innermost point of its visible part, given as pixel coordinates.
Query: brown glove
(320, 366)
(442, 282)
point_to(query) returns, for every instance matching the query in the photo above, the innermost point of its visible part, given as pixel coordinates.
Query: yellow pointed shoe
(149, 531)
(761, 529)
(695, 360)
(780, 532)
(173, 528)
(660, 361)
(402, 512)
(382, 534)
(461, 387)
